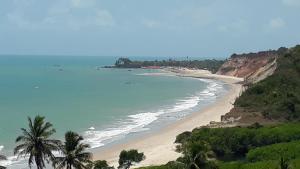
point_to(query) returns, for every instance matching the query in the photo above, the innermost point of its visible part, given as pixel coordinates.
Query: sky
(197, 28)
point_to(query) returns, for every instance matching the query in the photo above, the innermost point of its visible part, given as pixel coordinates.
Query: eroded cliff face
(252, 66)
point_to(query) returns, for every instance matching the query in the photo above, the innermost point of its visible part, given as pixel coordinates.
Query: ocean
(103, 105)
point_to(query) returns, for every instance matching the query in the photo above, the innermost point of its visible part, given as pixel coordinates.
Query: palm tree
(196, 154)
(36, 142)
(74, 154)
(2, 157)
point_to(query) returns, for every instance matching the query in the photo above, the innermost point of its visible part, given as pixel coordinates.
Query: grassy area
(290, 150)
(271, 164)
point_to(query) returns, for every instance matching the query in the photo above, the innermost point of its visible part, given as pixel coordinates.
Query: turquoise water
(101, 104)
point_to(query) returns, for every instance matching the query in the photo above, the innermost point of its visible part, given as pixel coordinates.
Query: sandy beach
(159, 147)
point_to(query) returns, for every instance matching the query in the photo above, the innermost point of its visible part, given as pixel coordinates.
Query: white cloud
(103, 18)
(19, 20)
(70, 14)
(151, 23)
(236, 26)
(82, 3)
(196, 15)
(183, 18)
(291, 2)
(276, 23)
(76, 3)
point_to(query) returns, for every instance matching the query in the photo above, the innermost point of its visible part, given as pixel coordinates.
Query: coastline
(159, 147)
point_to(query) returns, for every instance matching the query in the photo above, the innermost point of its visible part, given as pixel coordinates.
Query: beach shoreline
(159, 147)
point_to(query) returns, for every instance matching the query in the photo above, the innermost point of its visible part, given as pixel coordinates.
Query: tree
(127, 157)
(101, 164)
(74, 153)
(36, 142)
(196, 155)
(2, 157)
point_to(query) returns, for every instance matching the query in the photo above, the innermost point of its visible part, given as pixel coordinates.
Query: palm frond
(35, 143)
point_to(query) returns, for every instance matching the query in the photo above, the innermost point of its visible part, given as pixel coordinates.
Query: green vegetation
(36, 142)
(127, 157)
(253, 147)
(290, 150)
(211, 65)
(278, 96)
(282, 155)
(100, 164)
(235, 142)
(73, 153)
(196, 155)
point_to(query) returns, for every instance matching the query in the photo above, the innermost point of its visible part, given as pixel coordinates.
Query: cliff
(274, 97)
(251, 66)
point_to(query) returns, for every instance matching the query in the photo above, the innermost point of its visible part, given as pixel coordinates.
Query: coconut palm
(36, 143)
(73, 153)
(2, 157)
(196, 155)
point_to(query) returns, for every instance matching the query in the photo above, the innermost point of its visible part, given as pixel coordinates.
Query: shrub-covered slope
(278, 96)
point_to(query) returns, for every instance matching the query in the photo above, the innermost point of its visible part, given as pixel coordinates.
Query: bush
(101, 164)
(127, 157)
(235, 142)
(289, 150)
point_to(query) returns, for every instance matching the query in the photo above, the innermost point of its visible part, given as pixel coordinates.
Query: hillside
(252, 66)
(278, 96)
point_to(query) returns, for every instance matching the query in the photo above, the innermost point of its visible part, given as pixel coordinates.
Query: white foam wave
(154, 74)
(134, 124)
(10, 161)
(138, 122)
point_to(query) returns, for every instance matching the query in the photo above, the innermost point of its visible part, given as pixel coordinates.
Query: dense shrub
(290, 150)
(126, 158)
(237, 141)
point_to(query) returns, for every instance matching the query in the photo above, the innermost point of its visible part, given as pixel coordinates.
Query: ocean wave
(135, 123)
(138, 122)
(154, 74)
(10, 161)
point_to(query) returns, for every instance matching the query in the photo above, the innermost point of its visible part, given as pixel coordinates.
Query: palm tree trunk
(37, 163)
